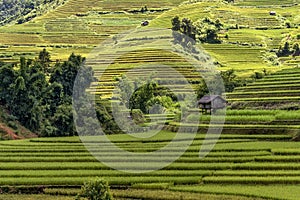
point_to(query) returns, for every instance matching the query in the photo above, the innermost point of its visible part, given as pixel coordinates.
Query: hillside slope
(10, 128)
(77, 26)
(251, 36)
(278, 91)
(21, 11)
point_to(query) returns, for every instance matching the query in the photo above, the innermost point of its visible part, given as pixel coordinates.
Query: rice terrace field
(148, 95)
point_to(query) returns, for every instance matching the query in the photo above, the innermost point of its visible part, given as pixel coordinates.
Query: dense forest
(24, 10)
(39, 94)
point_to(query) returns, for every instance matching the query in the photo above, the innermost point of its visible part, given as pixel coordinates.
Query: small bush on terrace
(97, 189)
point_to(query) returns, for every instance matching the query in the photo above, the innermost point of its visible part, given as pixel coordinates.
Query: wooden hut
(211, 103)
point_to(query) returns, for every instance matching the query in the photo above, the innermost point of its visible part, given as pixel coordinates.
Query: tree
(65, 74)
(285, 51)
(296, 50)
(211, 35)
(97, 189)
(62, 120)
(40, 105)
(218, 24)
(54, 97)
(149, 94)
(7, 78)
(43, 104)
(126, 89)
(44, 60)
(107, 122)
(176, 24)
(27, 92)
(208, 30)
(228, 78)
(205, 30)
(202, 89)
(186, 27)
(140, 98)
(286, 48)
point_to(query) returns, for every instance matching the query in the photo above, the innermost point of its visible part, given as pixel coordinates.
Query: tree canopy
(41, 101)
(205, 30)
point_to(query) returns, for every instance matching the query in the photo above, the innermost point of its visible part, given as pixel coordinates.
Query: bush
(12, 125)
(97, 189)
(193, 118)
(138, 116)
(296, 137)
(257, 75)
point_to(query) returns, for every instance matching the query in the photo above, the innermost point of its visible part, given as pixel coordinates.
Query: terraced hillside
(268, 161)
(256, 157)
(278, 90)
(143, 61)
(76, 26)
(247, 48)
(25, 10)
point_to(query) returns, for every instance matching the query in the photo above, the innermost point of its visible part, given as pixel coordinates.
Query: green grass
(255, 148)
(157, 192)
(61, 27)
(171, 195)
(264, 191)
(33, 197)
(276, 88)
(236, 158)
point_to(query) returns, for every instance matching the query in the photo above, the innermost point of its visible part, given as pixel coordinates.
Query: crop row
(276, 192)
(243, 144)
(221, 154)
(250, 112)
(252, 93)
(269, 87)
(264, 94)
(157, 159)
(286, 151)
(112, 180)
(149, 166)
(264, 2)
(267, 99)
(100, 173)
(273, 83)
(45, 142)
(252, 180)
(262, 173)
(238, 119)
(154, 159)
(137, 147)
(253, 126)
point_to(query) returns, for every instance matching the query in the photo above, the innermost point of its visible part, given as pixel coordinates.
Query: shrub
(97, 189)
(193, 118)
(257, 75)
(138, 116)
(296, 137)
(12, 125)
